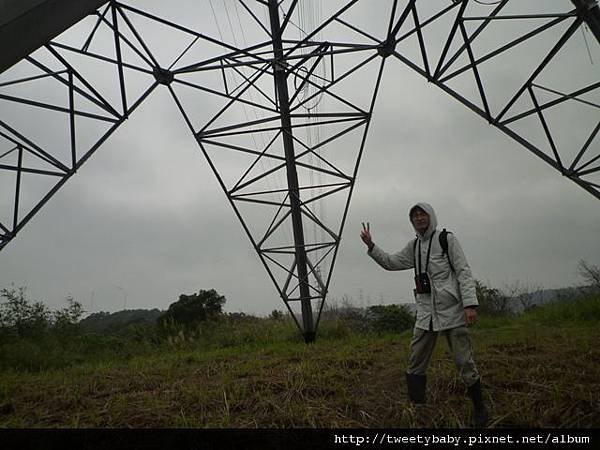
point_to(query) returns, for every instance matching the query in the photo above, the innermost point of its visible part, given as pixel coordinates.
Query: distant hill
(104, 321)
(546, 296)
(562, 294)
(541, 297)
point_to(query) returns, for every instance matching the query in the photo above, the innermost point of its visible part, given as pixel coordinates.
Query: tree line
(24, 318)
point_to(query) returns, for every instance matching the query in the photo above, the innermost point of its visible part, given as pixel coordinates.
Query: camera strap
(418, 244)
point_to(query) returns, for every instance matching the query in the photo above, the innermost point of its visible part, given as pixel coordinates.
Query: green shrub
(20, 317)
(192, 309)
(389, 318)
(23, 318)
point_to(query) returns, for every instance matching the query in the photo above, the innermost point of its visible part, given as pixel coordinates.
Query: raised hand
(365, 235)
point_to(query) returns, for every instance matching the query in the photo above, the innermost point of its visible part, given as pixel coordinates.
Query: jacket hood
(432, 219)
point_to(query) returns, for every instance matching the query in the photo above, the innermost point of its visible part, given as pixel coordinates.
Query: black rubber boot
(416, 387)
(480, 412)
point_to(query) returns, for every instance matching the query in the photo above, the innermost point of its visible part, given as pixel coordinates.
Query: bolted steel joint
(586, 4)
(280, 66)
(589, 11)
(387, 48)
(163, 76)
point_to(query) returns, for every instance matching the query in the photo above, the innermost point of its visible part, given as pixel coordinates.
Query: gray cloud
(145, 219)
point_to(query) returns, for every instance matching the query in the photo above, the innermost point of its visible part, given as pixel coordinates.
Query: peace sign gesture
(365, 235)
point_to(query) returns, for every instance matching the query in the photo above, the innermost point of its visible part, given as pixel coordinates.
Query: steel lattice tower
(91, 66)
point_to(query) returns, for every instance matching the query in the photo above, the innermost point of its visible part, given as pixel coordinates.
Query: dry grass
(534, 376)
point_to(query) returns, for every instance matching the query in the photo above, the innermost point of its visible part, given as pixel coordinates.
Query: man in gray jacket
(446, 303)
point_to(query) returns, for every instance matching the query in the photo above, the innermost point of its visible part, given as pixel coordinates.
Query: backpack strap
(444, 245)
(415, 254)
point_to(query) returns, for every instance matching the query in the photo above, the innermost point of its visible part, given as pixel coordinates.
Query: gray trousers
(423, 343)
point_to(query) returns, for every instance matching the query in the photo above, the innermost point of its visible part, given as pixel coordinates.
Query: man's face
(420, 220)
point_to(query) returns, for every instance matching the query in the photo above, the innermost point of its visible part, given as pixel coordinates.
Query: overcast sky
(145, 220)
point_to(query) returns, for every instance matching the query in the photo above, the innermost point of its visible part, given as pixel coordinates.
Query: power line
(586, 43)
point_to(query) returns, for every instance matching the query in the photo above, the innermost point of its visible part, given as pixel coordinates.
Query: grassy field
(540, 369)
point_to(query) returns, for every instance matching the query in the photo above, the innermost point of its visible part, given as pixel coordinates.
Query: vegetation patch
(539, 368)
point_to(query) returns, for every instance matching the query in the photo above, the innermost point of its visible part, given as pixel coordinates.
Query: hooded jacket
(451, 290)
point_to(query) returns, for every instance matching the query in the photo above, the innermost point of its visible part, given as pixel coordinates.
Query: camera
(422, 283)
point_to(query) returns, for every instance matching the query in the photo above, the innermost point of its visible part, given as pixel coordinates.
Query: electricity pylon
(254, 107)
